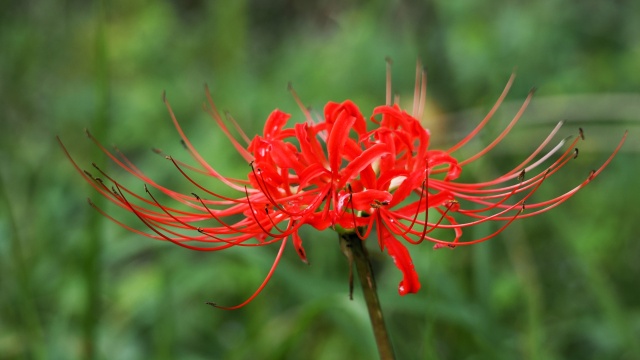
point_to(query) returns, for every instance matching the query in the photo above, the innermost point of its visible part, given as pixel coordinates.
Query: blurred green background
(563, 285)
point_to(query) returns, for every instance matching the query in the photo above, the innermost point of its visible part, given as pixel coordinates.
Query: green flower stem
(356, 252)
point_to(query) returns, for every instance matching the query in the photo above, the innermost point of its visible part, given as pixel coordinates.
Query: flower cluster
(340, 171)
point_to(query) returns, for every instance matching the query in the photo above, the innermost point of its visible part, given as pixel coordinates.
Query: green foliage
(562, 285)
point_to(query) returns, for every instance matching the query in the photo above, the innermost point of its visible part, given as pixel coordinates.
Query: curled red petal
(310, 147)
(360, 125)
(438, 157)
(337, 139)
(276, 120)
(400, 255)
(285, 155)
(358, 165)
(333, 109)
(366, 199)
(297, 243)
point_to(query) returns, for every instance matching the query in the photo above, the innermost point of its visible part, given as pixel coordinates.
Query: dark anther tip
(522, 174)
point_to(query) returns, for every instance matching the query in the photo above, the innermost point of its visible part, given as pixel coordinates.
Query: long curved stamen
(184, 165)
(388, 82)
(232, 120)
(266, 210)
(490, 236)
(486, 119)
(213, 111)
(197, 228)
(140, 174)
(257, 221)
(116, 193)
(196, 155)
(437, 224)
(302, 107)
(290, 228)
(423, 93)
(502, 134)
(403, 229)
(265, 191)
(261, 287)
(154, 229)
(166, 211)
(217, 218)
(564, 197)
(426, 211)
(121, 224)
(523, 165)
(186, 176)
(494, 217)
(417, 94)
(497, 204)
(479, 188)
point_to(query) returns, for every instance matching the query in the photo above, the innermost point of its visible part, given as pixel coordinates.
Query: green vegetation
(73, 285)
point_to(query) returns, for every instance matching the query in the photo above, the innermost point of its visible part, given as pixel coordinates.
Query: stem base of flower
(356, 253)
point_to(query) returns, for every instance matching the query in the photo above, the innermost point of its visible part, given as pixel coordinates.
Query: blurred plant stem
(522, 259)
(93, 259)
(355, 252)
(32, 335)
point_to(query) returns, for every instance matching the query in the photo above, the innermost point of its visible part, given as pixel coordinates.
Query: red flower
(334, 172)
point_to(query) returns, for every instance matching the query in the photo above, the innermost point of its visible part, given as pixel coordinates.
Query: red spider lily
(334, 172)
